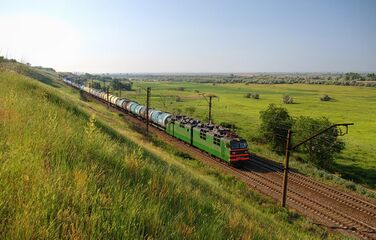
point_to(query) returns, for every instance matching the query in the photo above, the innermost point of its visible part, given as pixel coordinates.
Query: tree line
(101, 82)
(344, 79)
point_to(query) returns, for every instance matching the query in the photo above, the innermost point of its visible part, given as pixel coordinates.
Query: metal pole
(286, 169)
(210, 107)
(148, 90)
(108, 103)
(289, 148)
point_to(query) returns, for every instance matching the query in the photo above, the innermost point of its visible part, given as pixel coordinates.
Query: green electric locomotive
(218, 141)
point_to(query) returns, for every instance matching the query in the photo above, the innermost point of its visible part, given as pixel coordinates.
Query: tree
(96, 85)
(322, 149)
(371, 77)
(275, 122)
(116, 84)
(352, 76)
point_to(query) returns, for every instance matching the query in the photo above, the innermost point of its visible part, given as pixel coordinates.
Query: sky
(186, 36)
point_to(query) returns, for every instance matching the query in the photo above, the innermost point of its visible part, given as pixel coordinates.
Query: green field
(65, 174)
(351, 104)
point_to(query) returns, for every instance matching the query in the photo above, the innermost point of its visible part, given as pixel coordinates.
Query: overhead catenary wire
(294, 139)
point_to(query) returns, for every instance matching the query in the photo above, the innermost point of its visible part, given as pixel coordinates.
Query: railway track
(326, 205)
(366, 207)
(298, 198)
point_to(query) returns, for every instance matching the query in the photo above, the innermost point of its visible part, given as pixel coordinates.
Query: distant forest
(345, 79)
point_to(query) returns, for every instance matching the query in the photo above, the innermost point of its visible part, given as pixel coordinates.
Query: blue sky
(191, 36)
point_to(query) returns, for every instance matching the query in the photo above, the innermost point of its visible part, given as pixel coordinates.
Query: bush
(287, 99)
(255, 96)
(180, 88)
(252, 95)
(321, 149)
(178, 99)
(275, 123)
(325, 98)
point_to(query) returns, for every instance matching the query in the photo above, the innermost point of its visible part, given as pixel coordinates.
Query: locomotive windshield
(238, 144)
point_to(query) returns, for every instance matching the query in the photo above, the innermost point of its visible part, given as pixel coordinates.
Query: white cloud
(40, 40)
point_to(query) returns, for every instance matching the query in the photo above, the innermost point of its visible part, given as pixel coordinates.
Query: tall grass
(65, 175)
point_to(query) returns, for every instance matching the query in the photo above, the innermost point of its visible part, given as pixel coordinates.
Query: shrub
(178, 99)
(275, 123)
(325, 98)
(255, 96)
(252, 95)
(180, 88)
(288, 99)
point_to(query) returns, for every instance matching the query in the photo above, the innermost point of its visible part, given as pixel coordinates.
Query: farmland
(350, 104)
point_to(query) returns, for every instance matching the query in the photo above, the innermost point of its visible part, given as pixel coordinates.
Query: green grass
(351, 104)
(64, 173)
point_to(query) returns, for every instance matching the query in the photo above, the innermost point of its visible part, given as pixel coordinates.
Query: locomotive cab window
(238, 144)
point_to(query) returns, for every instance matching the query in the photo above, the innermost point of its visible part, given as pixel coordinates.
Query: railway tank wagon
(120, 102)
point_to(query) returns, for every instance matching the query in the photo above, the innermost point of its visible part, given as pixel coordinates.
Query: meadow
(72, 169)
(351, 104)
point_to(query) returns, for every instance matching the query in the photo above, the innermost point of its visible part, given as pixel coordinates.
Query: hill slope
(65, 174)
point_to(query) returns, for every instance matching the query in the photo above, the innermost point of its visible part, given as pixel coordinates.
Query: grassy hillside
(65, 174)
(351, 104)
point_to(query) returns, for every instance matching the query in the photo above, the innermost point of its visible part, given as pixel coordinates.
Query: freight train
(216, 140)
